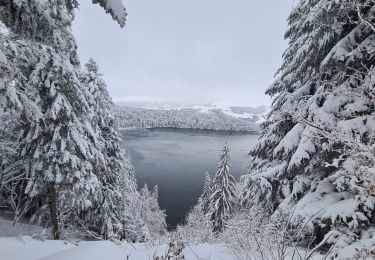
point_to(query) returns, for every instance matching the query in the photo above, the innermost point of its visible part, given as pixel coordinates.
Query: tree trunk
(54, 212)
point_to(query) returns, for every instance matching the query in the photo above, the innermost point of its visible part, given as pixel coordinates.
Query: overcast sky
(193, 51)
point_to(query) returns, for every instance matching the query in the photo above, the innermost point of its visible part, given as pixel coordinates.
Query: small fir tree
(206, 195)
(223, 193)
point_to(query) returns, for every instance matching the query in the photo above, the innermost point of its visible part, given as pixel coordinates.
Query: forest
(183, 118)
(309, 191)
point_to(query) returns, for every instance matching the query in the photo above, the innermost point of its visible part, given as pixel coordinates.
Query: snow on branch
(364, 20)
(115, 8)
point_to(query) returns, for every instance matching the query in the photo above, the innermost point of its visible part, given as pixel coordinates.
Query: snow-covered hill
(194, 117)
(255, 114)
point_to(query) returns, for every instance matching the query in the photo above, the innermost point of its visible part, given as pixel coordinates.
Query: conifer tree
(155, 192)
(40, 76)
(308, 154)
(206, 195)
(12, 177)
(223, 193)
(143, 217)
(105, 217)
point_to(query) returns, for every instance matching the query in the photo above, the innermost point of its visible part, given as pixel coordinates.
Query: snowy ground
(27, 248)
(17, 243)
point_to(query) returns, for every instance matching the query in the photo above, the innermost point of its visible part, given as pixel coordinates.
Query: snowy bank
(27, 248)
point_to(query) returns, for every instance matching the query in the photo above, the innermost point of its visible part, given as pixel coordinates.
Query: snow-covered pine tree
(323, 108)
(12, 170)
(40, 77)
(14, 106)
(152, 215)
(7, 122)
(206, 195)
(105, 216)
(127, 182)
(133, 227)
(23, 23)
(197, 229)
(155, 192)
(142, 218)
(223, 193)
(46, 78)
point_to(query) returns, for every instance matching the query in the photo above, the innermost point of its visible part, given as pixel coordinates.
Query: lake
(177, 159)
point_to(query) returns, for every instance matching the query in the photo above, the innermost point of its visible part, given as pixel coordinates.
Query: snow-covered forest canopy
(184, 118)
(309, 191)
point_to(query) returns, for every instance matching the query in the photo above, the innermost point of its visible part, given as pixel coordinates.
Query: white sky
(192, 51)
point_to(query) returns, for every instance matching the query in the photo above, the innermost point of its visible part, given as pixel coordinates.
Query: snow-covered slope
(255, 114)
(26, 248)
(17, 243)
(129, 117)
(8, 229)
(14, 245)
(208, 117)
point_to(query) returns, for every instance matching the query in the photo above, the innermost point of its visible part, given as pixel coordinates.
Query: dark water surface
(177, 159)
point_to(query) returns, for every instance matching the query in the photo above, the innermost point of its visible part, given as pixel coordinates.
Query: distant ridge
(240, 119)
(255, 114)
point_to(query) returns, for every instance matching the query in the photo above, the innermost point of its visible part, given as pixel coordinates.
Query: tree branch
(365, 20)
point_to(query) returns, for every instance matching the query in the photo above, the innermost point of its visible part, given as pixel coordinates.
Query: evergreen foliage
(316, 150)
(197, 229)
(63, 166)
(206, 195)
(115, 9)
(142, 218)
(184, 118)
(105, 215)
(223, 193)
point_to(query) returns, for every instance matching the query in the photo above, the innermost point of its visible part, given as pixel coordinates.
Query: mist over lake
(177, 159)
